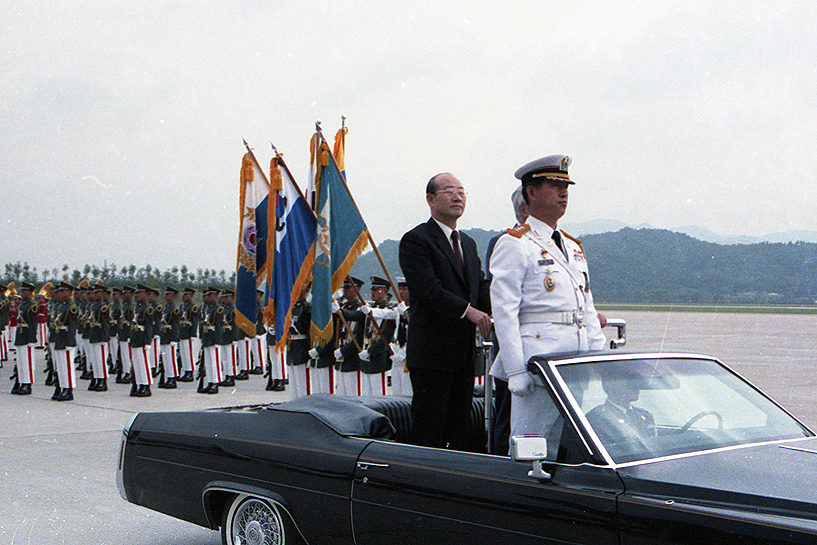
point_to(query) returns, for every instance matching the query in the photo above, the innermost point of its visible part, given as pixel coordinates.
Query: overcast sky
(123, 121)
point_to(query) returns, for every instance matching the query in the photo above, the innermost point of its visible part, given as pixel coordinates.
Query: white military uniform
(541, 304)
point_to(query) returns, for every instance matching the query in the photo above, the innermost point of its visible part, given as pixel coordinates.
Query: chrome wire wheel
(253, 521)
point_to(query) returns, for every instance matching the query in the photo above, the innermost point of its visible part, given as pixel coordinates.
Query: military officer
(210, 324)
(350, 338)
(322, 361)
(82, 296)
(11, 323)
(169, 338)
(66, 321)
(25, 340)
(189, 343)
(42, 316)
(540, 294)
(98, 335)
(140, 339)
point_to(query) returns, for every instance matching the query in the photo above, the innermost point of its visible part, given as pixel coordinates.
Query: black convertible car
(641, 449)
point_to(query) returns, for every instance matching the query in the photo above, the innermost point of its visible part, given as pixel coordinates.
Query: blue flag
(342, 237)
(294, 246)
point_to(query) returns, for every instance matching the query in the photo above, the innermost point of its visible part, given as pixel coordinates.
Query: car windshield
(649, 408)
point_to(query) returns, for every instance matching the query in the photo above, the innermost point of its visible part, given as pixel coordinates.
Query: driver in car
(619, 424)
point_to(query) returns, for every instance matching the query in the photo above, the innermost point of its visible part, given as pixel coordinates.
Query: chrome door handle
(363, 466)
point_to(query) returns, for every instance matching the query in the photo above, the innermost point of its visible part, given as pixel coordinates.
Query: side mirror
(531, 448)
(621, 332)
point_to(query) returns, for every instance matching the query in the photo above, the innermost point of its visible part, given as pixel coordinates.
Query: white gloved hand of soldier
(364, 355)
(313, 353)
(402, 307)
(309, 298)
(521, 384)
(338, 355)
(335, 306)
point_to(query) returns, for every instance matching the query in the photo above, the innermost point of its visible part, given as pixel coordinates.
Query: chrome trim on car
(120, 477)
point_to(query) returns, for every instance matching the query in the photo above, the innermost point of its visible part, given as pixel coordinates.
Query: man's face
(379, 293)
(447, 203)
(187, 297)
(140, 296)
(547, 201)
(116, 296)
(26, 293)
(404, 293)
(127, 296)
(151, 296)
(349, 293)
(170, 297)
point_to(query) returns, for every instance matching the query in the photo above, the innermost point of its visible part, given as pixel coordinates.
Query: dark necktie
(557, 239)
(455, 239)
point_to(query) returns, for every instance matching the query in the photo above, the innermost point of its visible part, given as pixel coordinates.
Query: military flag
(295, 232)
(342, 237)
(252, 263)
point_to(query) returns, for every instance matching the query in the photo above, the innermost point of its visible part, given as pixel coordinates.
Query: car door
(407, 494)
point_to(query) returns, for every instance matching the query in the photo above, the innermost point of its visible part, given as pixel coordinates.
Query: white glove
(338, 355)
(364, 355)
(521, 384)
(313, 353)
(402, 307)
(338, 294)
(365, 309)
(309, 298)
(335, 306)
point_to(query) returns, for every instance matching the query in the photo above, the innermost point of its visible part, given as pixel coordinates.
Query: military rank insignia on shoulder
(518, 231)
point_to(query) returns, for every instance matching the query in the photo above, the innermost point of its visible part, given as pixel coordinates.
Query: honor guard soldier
(169, 338)
(298, 346)
(25, 339)
(153, 328)
(400, 382)
(66, 321)
(42, 316)
(379, 331)
(14, 303)
(210, 333)
(83, 295)
(188, 334)
(4, 321)
(226, 342)
(258, 342)
(140, 339)
(241, 351)
(98, 335)
(350, 338)
(540, 295)
(322, 360)
(114, 315)
(124, 374)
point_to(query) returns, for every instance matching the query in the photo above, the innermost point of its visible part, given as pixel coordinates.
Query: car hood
(778, 479)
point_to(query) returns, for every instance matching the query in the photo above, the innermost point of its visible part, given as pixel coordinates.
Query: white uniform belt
(297, 337)
(562, 317)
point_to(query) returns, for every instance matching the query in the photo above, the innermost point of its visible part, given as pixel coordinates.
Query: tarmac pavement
(58, 461)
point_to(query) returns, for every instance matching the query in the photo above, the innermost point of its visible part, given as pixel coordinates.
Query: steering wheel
(700, 415)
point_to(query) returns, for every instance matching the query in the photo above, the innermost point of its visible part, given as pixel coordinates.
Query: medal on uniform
(550, 283)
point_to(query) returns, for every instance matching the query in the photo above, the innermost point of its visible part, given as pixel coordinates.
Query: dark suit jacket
(438, 336)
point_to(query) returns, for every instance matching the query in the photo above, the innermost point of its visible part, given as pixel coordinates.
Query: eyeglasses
(451, 192)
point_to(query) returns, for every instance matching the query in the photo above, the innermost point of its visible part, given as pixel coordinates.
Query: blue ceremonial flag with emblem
(254, 235)
(295, 234)
(342, 237)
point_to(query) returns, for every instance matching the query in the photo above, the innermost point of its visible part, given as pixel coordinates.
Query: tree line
(115, 276)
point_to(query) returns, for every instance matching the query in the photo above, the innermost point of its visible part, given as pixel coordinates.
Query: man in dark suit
(449, 300)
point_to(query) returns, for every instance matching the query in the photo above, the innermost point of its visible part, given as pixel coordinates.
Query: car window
(642, 409)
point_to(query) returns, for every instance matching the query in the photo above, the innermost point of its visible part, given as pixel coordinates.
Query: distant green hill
(660, 266)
